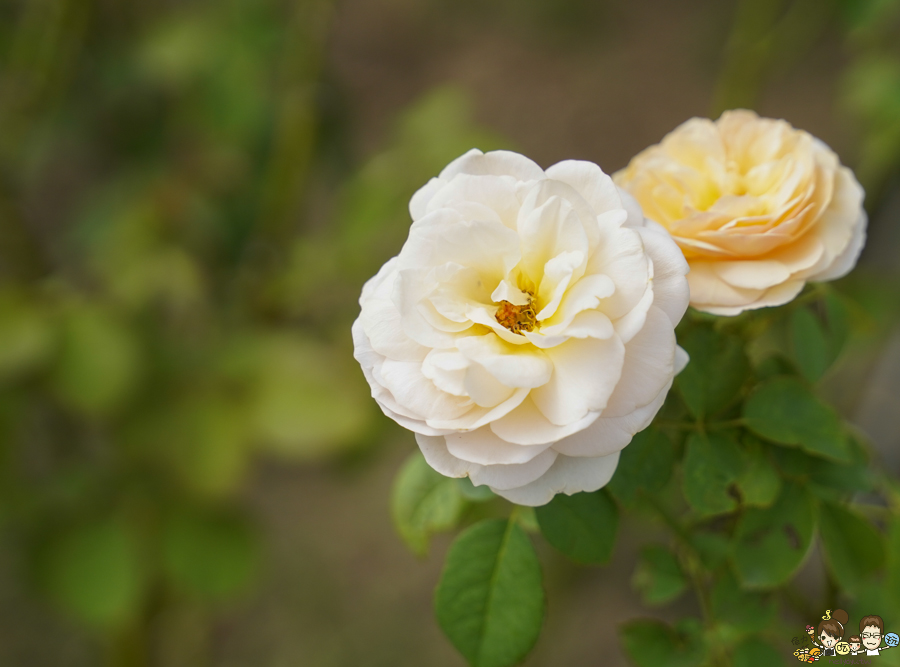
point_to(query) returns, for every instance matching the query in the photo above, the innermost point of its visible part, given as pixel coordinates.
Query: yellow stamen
(516, 318)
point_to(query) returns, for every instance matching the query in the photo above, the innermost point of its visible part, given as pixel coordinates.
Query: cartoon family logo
(829, 638)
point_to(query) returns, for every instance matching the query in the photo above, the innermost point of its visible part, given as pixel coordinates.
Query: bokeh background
(192, 194)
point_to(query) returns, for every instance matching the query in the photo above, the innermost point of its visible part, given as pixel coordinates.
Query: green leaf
(423, 502)
(712, 463)
(854, 548)
(770, 544)
(211, 555)
(582, 526)
(490, 601)
(658, 576)
(810, 345)
(748, 611)
(99, 362)
(651, 643)
(893, 560)
(755, 652)
(95, 573)
(645, 464)
(759, 482)
(27, 336)
(783, 410)
(716, 373)
(472, 493)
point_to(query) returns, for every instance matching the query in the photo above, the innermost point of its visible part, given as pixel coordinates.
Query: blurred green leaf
(95, 572)
(747, 611)
(582, 526)
(306, 402)
(645, 464)
(212, 555)
(489, 601)
(658, 576)
(472, 493)
(758, 481)
(100, 361)
(716, 373)
(423, 502)
(651, 643)
(753, 652)
(711, 466)
(810, 345)
(27, 336)
(783, 410)
(770, 544)
(854, 548)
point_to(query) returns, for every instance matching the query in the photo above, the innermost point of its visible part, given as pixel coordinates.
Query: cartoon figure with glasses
(871, 630)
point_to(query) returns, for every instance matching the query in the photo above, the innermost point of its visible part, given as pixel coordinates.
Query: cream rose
(758, 208)
(525, 332)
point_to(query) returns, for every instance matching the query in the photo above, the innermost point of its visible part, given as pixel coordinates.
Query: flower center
(517, 318)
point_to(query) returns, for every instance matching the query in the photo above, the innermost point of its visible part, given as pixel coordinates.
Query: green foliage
(645, 465)
(651, 643)
(854, 548)
(95, 572)
(490, 601)
(424, 502)
(784, 411)
(658, 576)
(771, 543)
(211, 555)
(758, 481)
(718, 370)
(582, 526)
(711, 466)
(753, 652)
(748, 611)
(817, 341)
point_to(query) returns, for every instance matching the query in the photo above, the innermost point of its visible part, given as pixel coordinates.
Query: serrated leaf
(770, 544)
(645, 464)
(711, 464)
(423, 502)
(582, 526)
(784, 411)
(658, 576)
(651, 643)
(854, 548)
(490, 600)
(718, 370)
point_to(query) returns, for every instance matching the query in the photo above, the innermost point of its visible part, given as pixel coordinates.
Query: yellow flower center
(517, 318)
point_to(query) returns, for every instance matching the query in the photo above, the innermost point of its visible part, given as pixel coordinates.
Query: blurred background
(192, 194)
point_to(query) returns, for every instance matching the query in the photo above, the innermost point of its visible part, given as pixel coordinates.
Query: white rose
(525, 332)
(758, 208)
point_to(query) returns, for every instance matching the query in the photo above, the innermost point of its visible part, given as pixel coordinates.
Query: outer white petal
(527, 426)
(485, 447)
(585, 373)
(611, 434)
(567, 475)
(502, 477)
(649, 366)
(671, 293)
(493, 163)
(590, 182)
(418, 205)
